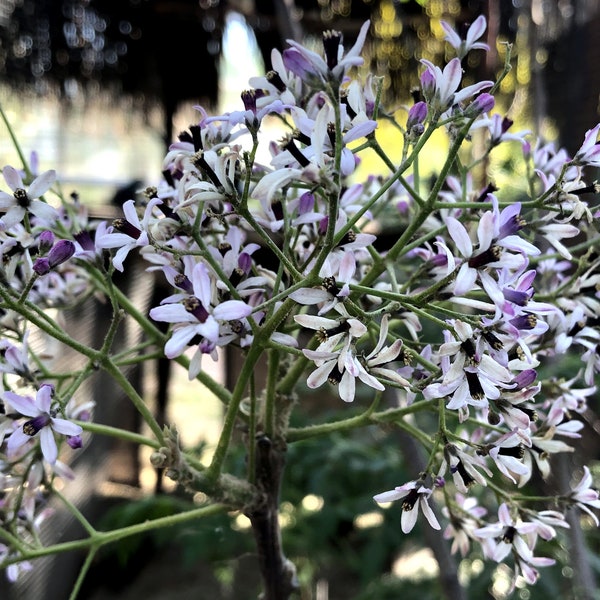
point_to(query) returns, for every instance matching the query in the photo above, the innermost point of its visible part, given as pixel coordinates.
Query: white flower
(42, 421)
(584, 496)
(414, 495)
(475, 31)
(23, 200)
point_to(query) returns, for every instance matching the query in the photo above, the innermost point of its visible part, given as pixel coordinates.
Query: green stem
(75, 512)
(15, 142)
(83, 571)
(135, 398)
(116, 432)
(101, 538)
(352, 221)
(362, 420)
(426, 209)
(254, 353)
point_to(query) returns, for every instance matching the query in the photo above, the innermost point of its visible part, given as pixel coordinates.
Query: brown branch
(278, 573)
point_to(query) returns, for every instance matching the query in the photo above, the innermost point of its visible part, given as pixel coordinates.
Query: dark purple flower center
(475, 388)
(22, 198)
(514, 451)
(331, 43)
(85, 240)
(33, 426)
(464, 475)
(330, 285)
(290, 146)
(409, 501)
(127, 228)
(516, 296)
(274, 79)
(508, 535)
(194, 306)
(335, 376)
(492, 254)
(528, 321)
(492, 340)
(468, 347)
(183, 283)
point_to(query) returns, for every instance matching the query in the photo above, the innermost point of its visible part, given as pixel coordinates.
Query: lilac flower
(308, 64)
(518, 537)
(332, 331)
(554, 232)
(333, 289)
(23, 200)
(15, 569)
(441, 87)
(584, 496)
(195, 316)
(43, 422)
(463, 522)
(373, 366)
(474, 32)
(414, 495)
(15, 359)
(344, 367)
(493, 240)
(86, 246)
(128, 233)
(508, 451)
(589, 153)
(498, 127)
(339, 367)
(473, 378)
(465, 468)
(280, 82)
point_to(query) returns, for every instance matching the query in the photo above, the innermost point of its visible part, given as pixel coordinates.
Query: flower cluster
(459, 318)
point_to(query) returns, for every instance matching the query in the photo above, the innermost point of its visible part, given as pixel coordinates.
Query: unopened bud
(482, 104)
(61, 252)
(45, 241)
(416, 115)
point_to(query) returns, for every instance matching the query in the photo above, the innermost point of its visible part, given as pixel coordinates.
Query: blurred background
(98, 89)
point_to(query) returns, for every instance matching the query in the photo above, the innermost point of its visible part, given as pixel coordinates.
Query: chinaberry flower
(196, 316)
(589, 153)
(374, 366)
(16, 568)
(414, 495)
(43, 421)
(128, 233)
(463, 521)
(507, 452)
(310, 66)
(25, 200)
(465, 468)
(474, 32)
(584, 496)
(498, 127)
(440, 87)
(516, 536)
(338, 367)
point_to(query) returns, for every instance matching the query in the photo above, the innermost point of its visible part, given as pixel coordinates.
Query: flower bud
(41, 266)
(74, 441)
(428, 84)
(482, 104)
(45, 241)
(61, 252)
(416, 115)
